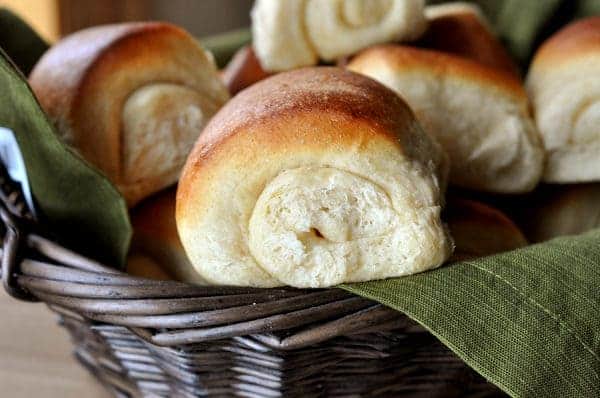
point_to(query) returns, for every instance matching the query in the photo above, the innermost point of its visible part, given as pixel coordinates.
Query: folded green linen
(75, 200)
(527, 320)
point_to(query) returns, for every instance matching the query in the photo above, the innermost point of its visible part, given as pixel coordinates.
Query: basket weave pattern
(142, 337)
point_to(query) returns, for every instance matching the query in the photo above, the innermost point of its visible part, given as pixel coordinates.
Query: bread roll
(564, 85)
(562, 210)
(131, 98)
(462, 29)
(480, 115)
(243, 70)
(146, 267)
(312, 178)
(293, 33)
(480, 230)
(155, 237)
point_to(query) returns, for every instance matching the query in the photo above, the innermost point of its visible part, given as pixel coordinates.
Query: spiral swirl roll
(131, 98)
(312, 178)
(292, 33)
(564, 84)
(479, 115)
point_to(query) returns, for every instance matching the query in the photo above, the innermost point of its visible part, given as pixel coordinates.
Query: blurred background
(56, 18)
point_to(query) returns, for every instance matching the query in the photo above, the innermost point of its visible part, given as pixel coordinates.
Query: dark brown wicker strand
(146, 338)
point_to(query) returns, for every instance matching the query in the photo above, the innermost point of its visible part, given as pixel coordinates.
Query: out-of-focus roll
(480, 230)
(564, 84)
(139, 264)
(462, 29)
(557, 210)
(131, 98)
(293, 33)
(243, 70)
(312, 178)
(480, 115)
(155, 238)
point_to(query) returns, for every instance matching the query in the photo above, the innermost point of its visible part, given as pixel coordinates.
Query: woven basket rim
(171, 313)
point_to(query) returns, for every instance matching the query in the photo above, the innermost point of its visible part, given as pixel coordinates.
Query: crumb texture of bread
(131, 98)
(312, 178)
(479, 115)
(294, 33)
(564, 85)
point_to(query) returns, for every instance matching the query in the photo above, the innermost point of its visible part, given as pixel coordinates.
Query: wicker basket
(141, 337)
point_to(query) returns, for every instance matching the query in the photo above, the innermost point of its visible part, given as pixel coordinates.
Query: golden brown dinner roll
(480, 115)
(293, 33)
(243, 70)
(461, 28)
(142, 265)
(557, 210)
(155, 236)
(131, 98)
(312, 178)
(564, 85)
(480, 230)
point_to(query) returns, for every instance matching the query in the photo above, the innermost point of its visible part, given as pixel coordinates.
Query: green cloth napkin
(527, 320)
(22, 44)
(75, 201)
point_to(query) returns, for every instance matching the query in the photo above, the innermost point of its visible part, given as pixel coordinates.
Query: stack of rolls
(324, 175)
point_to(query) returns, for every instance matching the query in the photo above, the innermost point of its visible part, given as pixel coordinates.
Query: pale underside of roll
(478, 114)
(564, 84)
(131, 98)
(294, 33)
(312, 178)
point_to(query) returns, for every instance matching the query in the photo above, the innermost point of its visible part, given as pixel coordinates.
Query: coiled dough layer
(293, 33)
(312, 178)
(321, 226)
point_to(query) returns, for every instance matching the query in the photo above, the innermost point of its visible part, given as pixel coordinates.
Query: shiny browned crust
(576, 39)
(243, 70)
(405, 58)
(463, 33)
(332, 107)
(71, 72)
